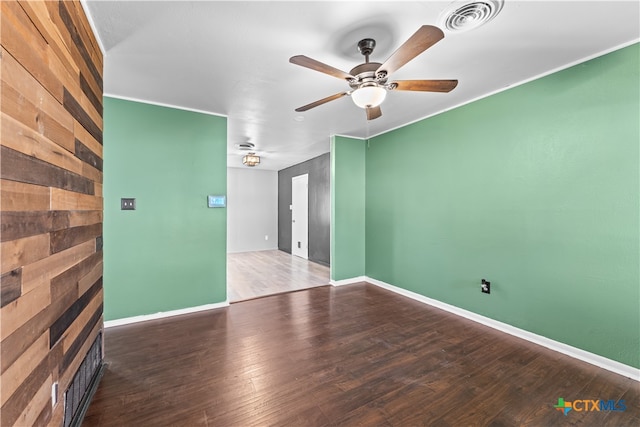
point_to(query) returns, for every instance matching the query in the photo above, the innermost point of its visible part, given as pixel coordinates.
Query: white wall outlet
(266, 237)
(54, 394)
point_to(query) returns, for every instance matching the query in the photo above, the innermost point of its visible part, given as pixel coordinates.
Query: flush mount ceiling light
(465, 15)
(251, 160)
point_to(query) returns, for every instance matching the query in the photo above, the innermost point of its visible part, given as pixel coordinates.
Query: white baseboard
(585, 356)
(163, 314)
(242, 251)
(348, 281)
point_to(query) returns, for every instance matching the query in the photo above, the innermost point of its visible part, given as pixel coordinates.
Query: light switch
(128, 204)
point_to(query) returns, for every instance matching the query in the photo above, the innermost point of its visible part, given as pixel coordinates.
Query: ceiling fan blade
(307, 62)
(373, 113)
(426, 85)
(420, 41)
(321, 101)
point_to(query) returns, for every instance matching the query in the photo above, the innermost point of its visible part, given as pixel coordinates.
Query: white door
(300, 216)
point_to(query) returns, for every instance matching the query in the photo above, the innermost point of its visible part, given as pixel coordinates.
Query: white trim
(585, 356)
(349, 136)
(163, 314)
(92, 24)
(350, 281)
(162, 104)
(511, 86)
(275, 248)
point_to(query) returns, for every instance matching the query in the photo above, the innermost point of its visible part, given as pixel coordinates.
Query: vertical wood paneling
(51, 204)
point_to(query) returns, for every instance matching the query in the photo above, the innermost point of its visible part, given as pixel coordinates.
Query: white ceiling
(232, 58)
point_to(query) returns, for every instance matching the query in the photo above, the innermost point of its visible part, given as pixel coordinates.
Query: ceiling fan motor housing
(365, 74)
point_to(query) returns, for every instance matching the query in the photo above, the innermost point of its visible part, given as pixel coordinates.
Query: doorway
(300, 216)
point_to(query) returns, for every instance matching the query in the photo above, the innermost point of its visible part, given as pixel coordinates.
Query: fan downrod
(365, 47)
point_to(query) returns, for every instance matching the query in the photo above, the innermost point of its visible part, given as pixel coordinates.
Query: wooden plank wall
(51, 204)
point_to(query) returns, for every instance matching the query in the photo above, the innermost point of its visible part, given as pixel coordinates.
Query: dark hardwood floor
(354, 355)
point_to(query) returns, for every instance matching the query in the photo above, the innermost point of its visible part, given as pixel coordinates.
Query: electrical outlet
(485, 287)
(266, 237)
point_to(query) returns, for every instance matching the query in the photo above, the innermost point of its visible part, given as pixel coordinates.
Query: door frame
(304, 253)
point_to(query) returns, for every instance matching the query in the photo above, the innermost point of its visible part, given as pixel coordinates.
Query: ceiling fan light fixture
(369, 96)
(251, 160)
(368, 81)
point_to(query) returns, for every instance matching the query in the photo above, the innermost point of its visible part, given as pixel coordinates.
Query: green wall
(535, 189)
(170, 253)
(347, 208)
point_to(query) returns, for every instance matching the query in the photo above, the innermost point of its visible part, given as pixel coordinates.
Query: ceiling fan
(368, 81)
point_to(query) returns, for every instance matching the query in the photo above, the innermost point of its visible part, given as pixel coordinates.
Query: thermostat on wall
(217, 201)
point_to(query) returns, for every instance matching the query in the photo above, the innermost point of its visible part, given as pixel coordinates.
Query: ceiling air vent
(467, 15)
(246, 146)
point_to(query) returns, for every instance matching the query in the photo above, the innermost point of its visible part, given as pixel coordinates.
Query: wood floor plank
(353, 355)
(257, 274)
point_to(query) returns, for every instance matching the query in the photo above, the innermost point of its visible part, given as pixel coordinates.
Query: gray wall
(319, 170)
(252, 210)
